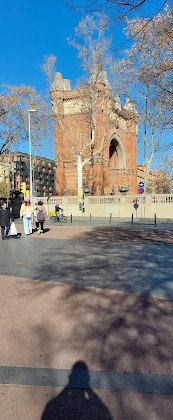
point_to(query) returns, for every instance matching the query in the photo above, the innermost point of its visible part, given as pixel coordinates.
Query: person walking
(41, 217)
(5, 216)
(26, 212)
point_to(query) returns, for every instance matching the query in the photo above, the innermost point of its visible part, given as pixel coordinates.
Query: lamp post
(30, 161)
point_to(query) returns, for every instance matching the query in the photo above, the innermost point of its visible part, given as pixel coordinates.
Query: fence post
(155, 219)
(110, 218)
(132, 218)
(90, 218)
(71, 218)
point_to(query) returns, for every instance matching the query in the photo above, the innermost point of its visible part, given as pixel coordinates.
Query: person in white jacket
(26, 212)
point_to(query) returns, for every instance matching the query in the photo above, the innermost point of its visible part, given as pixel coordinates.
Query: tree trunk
(148, 163)
(79, 173)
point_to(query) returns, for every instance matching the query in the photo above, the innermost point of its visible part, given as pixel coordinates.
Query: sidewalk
(52, 326)
(102, 295)
(135, 234)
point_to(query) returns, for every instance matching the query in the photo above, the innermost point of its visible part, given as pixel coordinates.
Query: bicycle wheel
(54, 218)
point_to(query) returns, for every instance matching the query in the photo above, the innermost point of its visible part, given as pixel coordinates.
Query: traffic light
(82, 204)
(23, 187)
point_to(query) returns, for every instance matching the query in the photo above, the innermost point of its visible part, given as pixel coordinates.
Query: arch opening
(116, 164)
(115, 155)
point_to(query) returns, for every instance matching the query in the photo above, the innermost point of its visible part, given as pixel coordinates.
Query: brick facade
(116, 164)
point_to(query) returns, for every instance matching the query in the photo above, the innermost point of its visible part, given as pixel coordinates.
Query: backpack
(28, 213)
(40, 216)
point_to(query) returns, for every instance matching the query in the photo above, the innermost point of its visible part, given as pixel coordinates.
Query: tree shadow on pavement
(111, 331)
(117, 332)
(118, 234)
(132, 267)
(77, 400)
(80, 314)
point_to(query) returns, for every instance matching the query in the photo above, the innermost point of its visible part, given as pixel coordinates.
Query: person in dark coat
(5, 216)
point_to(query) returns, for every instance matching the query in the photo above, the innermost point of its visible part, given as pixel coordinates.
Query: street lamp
(30, 162)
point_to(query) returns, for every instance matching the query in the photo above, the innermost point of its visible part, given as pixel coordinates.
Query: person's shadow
(77, 401)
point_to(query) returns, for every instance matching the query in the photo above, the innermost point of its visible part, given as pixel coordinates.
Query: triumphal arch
(111, 158)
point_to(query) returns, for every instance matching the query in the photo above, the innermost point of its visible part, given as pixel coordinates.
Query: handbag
(13, 230)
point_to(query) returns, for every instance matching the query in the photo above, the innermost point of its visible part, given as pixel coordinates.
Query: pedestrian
(26, 212)
(41, 217)
(5, 216)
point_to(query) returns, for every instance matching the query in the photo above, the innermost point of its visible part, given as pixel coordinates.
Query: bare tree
(145, 74)
(165, 164)
(117, 10)
(49, 67)
(15, 101)
(4, 189)
(93, 51)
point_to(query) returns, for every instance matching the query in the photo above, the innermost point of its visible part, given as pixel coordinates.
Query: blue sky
(31, 29)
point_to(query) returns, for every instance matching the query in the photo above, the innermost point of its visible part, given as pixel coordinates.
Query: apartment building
(43, 171)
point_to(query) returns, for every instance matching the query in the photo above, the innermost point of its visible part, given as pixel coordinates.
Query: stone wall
(118, 206)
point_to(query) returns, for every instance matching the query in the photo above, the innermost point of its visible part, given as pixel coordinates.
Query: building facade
(115, 165)
(157, 180)
(43, 173)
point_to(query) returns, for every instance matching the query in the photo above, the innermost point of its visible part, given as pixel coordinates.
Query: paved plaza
(86, 323)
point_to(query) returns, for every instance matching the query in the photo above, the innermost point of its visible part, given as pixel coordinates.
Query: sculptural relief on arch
(115, 166)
